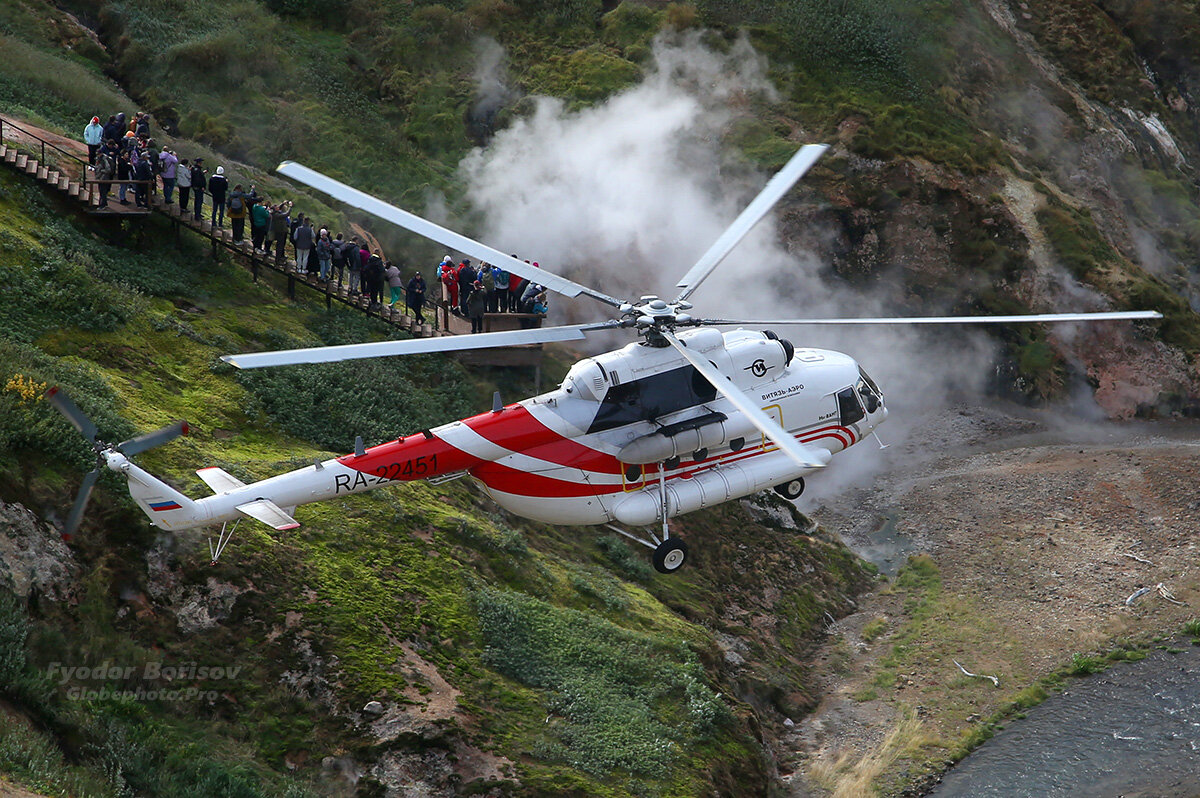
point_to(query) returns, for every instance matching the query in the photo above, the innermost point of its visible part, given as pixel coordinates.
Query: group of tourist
(489, 289)
(123, 152)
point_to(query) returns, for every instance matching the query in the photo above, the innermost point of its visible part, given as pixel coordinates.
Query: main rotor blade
(783, 180)
(64, 405)
(802, 454)
(415, 346)
(435, 232)
(1038, 318)
(151, 439)
(81, 501)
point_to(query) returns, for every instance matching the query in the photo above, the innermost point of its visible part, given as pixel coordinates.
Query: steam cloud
(626, 196)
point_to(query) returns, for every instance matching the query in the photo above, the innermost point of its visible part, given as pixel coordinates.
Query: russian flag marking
(167, 505)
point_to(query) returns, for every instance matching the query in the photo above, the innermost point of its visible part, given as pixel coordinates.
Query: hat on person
(95, 120)
(446, 259)
(220, 170)
(466, 260)
(129, 134)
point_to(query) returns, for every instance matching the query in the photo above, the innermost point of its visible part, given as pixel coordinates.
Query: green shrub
(630, 24)
(29, 427)
(624, 701)
(587, 75)
(1083, 665)
(627, 562)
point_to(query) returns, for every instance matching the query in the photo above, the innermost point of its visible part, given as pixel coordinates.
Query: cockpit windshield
(872, 397)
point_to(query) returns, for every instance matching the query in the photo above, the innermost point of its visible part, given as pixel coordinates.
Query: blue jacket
(93, 133)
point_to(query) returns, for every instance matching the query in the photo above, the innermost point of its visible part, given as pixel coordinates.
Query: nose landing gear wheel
(791, 490)
(669, 555)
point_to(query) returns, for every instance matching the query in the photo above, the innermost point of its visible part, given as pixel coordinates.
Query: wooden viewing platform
(31, 151)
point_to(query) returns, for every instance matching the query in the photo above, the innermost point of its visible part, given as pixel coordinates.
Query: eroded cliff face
(1086, 202)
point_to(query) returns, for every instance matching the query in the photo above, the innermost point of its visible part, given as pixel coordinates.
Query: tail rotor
(87, 428)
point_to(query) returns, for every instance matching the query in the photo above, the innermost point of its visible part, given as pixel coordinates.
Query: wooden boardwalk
(33, 152)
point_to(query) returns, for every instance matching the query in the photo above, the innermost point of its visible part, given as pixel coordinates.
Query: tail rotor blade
(151, 439)
(81, 501)
(68, 408)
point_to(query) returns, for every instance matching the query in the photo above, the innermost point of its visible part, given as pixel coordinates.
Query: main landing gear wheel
(669, 555)
(791, 490)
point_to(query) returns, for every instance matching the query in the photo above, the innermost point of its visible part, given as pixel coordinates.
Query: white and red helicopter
(686, 417)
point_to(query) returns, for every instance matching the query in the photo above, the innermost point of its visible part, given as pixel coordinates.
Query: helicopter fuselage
(625, 429)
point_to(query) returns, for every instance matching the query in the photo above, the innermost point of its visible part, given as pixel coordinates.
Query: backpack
(235, 204)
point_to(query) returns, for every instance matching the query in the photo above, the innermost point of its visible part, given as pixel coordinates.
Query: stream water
(1133, 730)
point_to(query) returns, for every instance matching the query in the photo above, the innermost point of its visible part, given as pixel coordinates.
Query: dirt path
(29, 139)
(1036, 537)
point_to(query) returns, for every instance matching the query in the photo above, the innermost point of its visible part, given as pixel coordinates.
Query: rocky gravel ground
(1041, 528)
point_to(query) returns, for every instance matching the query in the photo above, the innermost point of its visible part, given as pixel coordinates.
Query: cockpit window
(652, 397)
(848, 407)
(870, 382)
(871, 396)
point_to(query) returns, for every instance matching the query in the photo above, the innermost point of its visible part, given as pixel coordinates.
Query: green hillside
(511, 657)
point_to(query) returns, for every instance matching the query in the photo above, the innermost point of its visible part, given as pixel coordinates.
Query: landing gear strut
(791, 489)
(669, 552)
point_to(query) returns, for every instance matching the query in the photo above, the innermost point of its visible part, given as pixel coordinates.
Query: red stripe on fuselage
(418, 457)
(520, 483)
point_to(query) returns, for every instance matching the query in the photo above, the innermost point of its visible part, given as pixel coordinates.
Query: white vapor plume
(626, 195)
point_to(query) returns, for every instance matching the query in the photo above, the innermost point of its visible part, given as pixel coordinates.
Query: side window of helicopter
(652, 397)
(848, 407)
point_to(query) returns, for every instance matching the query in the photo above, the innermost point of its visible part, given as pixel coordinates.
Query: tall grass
(46, 88)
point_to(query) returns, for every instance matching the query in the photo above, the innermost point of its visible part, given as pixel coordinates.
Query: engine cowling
(705, 432)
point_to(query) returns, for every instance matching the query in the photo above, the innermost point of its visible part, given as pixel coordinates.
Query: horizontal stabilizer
(219, 480)
(269, 513)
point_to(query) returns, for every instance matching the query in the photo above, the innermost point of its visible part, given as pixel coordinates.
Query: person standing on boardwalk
(302, 237)
(260, 220)
(144, 175)
(415, 296)
(183, 181)
(449, 278)
(395, 283)
(337, 251)
(354, 264)
(466, 279)
(199, 178)
(112, 130)
(93, 137)
(169, 163)
(238, 213)
(324, 249)
(373, 271)
(124, 174)
(106, 169)
(279, 230)
(476, 305)
(218, 186)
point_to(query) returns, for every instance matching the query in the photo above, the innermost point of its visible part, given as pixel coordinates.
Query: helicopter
(682, 418)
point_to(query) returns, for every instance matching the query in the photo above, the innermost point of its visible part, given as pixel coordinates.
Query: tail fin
(166, 507)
